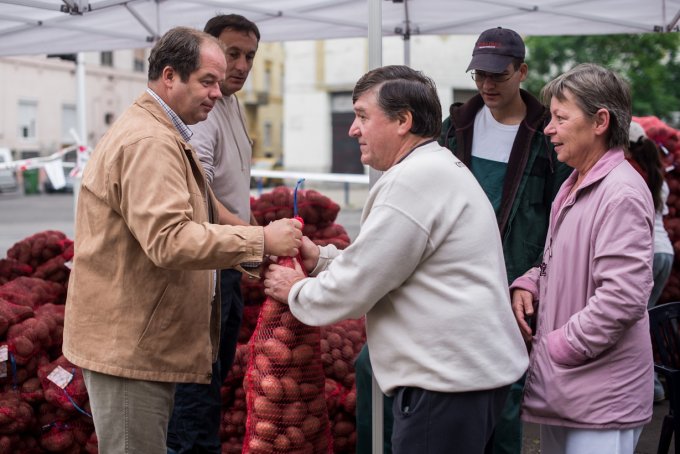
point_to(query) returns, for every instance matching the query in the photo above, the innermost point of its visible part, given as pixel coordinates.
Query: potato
(277, 352)
(263, 364)
(308, 391)
(272, 310)
(296, 373)
(289, 321)
(265, 408)
(348, 353)
(295, 435)
(291, 390)
(266, 430)
(317, 406)
(340, 368)
(294, 413)
(282, 443)
(302, 354)
(325, 348)
(285, 335)
(334, 340)
(311, 426)
(259, 446)
(272, 388)
(343, 428)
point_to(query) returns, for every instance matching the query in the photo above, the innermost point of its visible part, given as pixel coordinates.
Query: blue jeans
(195, 423)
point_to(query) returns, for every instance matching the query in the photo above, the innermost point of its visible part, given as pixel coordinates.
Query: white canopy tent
(67, 26)
(70, 26)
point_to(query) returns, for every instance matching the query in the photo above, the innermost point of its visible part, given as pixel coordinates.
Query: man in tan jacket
(143, 302)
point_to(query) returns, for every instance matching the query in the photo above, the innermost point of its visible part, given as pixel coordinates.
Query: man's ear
(168, 76)
(405, 119)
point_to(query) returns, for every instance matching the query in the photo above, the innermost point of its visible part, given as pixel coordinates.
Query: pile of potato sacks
(44, 405)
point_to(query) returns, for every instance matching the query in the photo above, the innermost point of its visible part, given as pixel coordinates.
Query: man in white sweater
(224, 149)
(427, 269)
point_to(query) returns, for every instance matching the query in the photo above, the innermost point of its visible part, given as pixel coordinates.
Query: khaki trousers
(130, 416)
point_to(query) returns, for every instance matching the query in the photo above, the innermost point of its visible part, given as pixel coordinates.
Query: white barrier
(345, 178)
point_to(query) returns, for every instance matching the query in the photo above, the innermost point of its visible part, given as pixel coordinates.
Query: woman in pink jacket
(589, 383)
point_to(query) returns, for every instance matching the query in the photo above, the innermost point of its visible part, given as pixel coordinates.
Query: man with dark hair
(225, 150)
(143, 301)
(498, 134)
(427, 271)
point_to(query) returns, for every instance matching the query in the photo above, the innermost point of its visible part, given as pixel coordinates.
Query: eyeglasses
(481, 76)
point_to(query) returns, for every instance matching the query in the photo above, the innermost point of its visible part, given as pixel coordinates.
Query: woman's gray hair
(594, 87)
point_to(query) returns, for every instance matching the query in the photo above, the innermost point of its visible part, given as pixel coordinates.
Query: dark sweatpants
(429, 422)
(195, 423)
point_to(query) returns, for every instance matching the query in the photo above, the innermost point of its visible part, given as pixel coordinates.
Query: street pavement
(23, 215)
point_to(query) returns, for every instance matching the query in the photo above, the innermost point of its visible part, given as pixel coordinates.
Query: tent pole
(375, 61)
(81, 153)
(80, 96)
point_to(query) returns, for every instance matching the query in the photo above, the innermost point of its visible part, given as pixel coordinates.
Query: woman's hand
(523, 308)
(278, 280)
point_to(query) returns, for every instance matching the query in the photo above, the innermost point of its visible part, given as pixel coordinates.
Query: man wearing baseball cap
(498, 134)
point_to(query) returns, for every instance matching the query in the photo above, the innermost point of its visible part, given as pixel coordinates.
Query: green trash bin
(31, 177)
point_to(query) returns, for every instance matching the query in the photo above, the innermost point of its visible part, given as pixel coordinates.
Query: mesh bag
(284, 384)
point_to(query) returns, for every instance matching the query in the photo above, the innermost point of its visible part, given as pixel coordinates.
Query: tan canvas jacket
(140, 298)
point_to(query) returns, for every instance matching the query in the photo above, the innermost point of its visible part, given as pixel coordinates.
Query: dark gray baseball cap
(495, 49)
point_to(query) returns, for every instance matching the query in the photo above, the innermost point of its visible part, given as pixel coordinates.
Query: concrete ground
(23, 215)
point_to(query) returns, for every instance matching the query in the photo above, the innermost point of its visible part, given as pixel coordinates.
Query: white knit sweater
(427, 269)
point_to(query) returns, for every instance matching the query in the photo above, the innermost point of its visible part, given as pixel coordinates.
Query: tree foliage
(650, 62)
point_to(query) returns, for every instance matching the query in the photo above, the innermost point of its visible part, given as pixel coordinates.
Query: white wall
(306, 111)
(51, 83)
(339, 64)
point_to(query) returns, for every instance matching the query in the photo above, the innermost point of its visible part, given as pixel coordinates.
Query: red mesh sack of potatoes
(32, 292)
(11, 314)
(11, 269)
(69, 436)
(340, 344)
(63, 385)
(285, 385)
(54, 270)
(39, 248)
(334, 234)
(277, 204)
(16, 415)
(314, 208)
(28, 338)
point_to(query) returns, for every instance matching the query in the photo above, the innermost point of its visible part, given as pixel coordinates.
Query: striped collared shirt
(186, 134)
(182, 128)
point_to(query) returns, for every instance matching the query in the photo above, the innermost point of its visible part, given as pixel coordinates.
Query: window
(268, 77)
(267, 135)
(68, 121)
(107, 58)
(28, 113)
(139, 60)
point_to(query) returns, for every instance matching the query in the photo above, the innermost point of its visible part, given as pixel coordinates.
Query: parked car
(8, 179)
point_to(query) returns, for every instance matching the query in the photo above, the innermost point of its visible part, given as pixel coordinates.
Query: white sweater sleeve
(389, 248)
